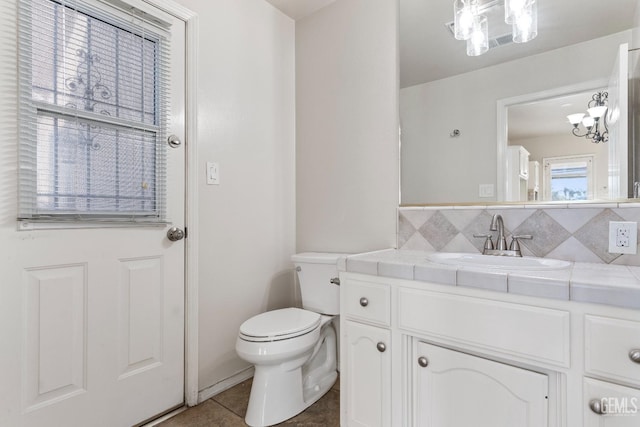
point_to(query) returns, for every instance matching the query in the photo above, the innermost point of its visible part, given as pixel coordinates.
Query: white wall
(440, 169)
(246, 101)
(346, 127)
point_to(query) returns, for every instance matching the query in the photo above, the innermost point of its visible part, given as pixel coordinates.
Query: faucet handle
(488, 244)
(515, 245)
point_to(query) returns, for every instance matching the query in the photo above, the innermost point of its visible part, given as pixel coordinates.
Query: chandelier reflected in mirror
(595, 122)
(471, 22)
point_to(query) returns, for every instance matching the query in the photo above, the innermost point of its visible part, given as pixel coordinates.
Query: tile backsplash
(570, 232)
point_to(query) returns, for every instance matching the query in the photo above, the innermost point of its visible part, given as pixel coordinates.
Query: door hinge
(186, 232)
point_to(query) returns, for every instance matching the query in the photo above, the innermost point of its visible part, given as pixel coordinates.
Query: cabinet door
(367, 400)
(615, 405)
(456, 389)
(524, 163)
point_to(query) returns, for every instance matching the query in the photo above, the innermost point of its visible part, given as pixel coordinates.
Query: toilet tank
(315, 271)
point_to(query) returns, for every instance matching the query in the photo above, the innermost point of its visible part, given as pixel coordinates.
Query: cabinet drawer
(608, 343)
(367, 301)
(619, 406)
(526, 332)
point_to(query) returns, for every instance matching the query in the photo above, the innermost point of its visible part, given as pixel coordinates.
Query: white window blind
(93, 113)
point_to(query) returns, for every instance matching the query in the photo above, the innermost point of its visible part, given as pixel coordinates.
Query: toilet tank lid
(317, 257)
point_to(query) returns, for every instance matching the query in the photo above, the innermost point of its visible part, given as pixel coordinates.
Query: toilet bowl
(294, 350)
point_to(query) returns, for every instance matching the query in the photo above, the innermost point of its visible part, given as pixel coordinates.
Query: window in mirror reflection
(568, 178)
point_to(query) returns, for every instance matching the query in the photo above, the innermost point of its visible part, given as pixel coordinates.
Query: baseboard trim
(226, 384)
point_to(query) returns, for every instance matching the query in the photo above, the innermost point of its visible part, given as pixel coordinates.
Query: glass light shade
(613, 115)
(478, 43)
(588, 122)
(576, 118)
(597, 112)
(512, 8)
(525, 24)
(464, 12)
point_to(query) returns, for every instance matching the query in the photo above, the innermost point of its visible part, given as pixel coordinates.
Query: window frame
(121, 15)
(564, 161)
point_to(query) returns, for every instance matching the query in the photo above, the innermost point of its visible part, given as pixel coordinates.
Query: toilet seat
(278, 325)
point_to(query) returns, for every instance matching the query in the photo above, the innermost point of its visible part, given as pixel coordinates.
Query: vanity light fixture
(471, 24)
(597, 110)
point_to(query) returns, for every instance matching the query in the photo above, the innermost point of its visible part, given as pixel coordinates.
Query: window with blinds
(93, 114)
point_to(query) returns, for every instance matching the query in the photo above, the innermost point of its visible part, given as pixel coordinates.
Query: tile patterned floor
(228, 409)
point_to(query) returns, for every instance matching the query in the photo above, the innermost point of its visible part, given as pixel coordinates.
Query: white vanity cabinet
(423, 354)
(457, 389)
(365, 355)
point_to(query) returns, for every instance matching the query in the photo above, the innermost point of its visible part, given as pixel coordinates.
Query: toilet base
(281, 392)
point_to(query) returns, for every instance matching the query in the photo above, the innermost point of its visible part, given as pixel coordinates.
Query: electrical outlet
(623, 237)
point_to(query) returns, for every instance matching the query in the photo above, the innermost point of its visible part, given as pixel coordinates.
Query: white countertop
(617, 285)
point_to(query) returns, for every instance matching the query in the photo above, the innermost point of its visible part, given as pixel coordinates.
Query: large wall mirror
(493, 128)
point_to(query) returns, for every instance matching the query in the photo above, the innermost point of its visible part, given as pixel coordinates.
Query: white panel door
(617, 118)
(456, 389)
(91, 319)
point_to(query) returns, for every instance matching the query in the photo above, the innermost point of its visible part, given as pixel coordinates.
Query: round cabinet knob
(634, 355)
(423, 361)
(596, 406)
(364, 302)
(382, 347)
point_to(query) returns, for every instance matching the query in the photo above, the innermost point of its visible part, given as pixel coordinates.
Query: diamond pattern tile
(417, 217)
(595, 234)
(547, 233)
(575, 234)
(461, 218)
(417, 242)
(405, 230)
(438, 231)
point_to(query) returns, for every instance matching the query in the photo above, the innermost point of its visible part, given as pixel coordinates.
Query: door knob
(174, 141)
(174, 234)
(634, 355)
(381, 347)
(423, 361)
(364, 302)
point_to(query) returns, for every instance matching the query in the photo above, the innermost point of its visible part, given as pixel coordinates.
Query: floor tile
(236, 398)
(324, 413)
(228, 409)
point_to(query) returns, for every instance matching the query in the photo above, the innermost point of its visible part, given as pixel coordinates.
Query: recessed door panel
(141, 316)
(56, 334)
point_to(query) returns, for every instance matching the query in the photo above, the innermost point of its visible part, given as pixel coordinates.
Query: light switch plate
(485, 190)
(213, 173)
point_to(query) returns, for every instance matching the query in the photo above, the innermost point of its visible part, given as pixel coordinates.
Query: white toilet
(294, 350)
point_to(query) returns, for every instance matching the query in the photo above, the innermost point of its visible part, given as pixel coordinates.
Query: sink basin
(499, 262)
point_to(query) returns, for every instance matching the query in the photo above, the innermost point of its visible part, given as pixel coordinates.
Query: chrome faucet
(498, 225)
